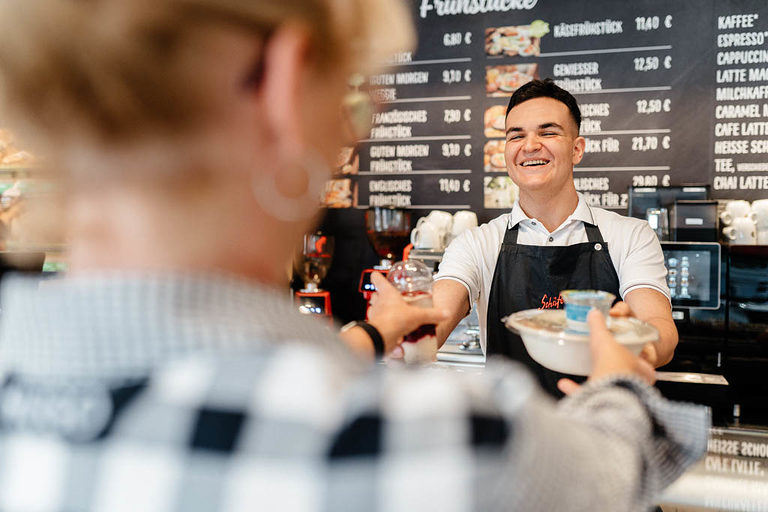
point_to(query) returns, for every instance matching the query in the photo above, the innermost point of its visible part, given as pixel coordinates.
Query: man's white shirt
(632, 245)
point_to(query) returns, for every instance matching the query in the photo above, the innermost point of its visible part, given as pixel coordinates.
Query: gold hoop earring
(292, 209)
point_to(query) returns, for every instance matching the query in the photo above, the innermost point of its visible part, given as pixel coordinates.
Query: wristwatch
(373, 333)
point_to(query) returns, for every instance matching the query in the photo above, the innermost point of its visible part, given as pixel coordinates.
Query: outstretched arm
(452, 297)
(653, 307)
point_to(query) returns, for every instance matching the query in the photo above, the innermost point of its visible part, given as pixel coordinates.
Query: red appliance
(312, 264)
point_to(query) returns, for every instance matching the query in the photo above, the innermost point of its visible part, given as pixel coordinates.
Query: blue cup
(578, 303)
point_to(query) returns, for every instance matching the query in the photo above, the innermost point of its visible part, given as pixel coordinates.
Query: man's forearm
(444, 329)
(653, 307)
(452, 297)
(668, 338)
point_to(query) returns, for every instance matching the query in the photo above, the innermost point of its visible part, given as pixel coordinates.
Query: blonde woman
(169, 371)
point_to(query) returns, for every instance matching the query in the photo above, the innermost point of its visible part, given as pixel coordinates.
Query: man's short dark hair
(546, 89)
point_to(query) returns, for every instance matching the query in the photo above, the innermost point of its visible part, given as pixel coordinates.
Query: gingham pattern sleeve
(428, 440)
(282, 431)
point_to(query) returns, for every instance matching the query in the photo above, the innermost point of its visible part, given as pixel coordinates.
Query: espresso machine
(312, 264)
(389, 231)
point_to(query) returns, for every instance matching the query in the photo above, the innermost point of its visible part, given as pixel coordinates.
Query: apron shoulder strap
(593, 232)
(510, 236)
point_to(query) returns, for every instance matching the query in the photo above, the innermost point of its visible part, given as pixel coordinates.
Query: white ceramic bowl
(552, 345)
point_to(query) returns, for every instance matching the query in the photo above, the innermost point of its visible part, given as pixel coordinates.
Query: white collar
(582, 213)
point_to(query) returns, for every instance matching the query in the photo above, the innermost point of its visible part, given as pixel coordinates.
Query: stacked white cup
(760, 214)
(435, 231)
(740, 223)
(430, 231)
(462, 221)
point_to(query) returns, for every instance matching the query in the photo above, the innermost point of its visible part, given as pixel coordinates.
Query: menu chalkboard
(671, 92)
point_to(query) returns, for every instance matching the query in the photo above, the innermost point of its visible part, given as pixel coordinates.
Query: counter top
(733, 476)
(463, 345)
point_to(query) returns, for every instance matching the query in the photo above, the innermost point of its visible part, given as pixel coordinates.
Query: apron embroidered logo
(551, 303)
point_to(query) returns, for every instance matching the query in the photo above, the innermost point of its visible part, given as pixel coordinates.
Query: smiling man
(552, 240)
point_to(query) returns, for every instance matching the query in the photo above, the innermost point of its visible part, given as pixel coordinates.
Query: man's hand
(621, 308)
(649, 352)
(393, 317)
(609, 357)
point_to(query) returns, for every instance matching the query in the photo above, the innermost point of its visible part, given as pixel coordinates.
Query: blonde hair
(118, 68)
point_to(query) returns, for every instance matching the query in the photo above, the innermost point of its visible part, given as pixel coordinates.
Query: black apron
(532, 277)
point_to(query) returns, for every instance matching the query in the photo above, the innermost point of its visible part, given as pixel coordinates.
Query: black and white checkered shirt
(159, 393)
